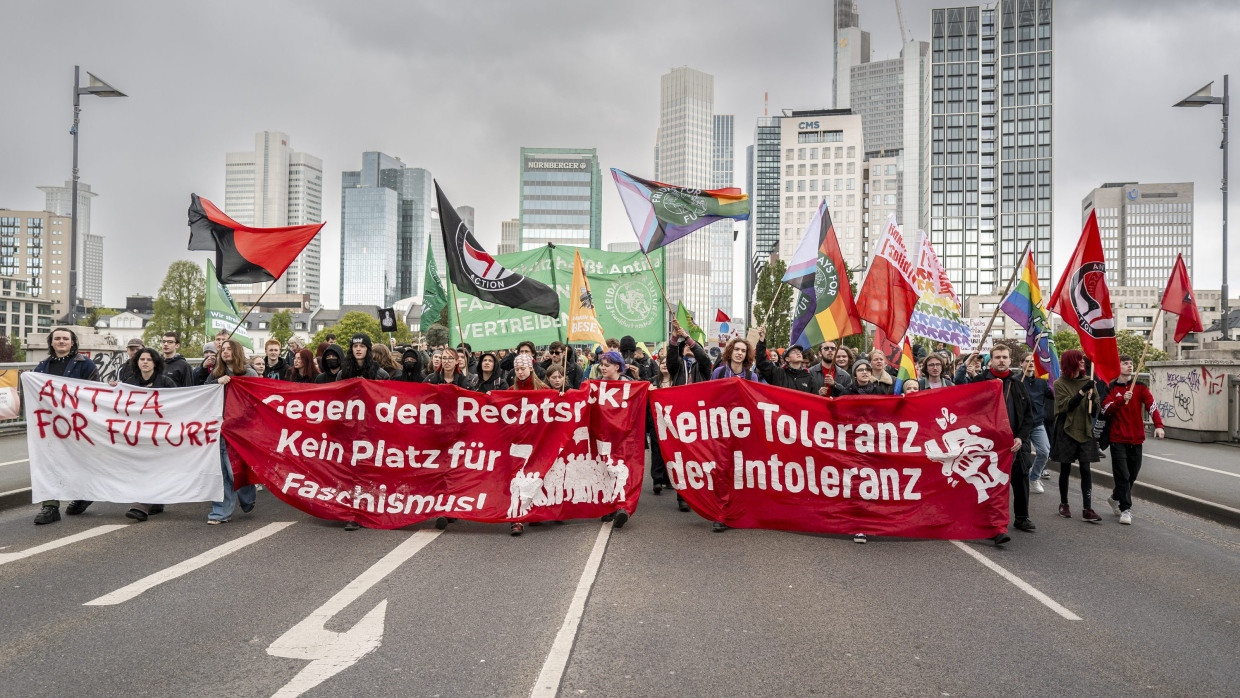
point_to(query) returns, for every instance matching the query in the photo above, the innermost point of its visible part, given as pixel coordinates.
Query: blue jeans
(223, 511)
(1041, 451)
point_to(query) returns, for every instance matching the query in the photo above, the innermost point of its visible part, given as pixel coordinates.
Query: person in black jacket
(645, 367)
(175, 365)
(302, 368)
(1042, 401)
(360, 362)
(1020, 415)
(147, 370)
(332, 363)
(63, 359)
(564, 357)
(863, 381)
(687, 361)
(411, 370)
(489, 377)
(792, 374)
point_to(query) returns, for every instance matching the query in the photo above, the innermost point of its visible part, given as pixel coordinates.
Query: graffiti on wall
(1184, 386)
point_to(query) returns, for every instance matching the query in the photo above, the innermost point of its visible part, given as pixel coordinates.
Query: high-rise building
(59, 200)
(823, 158)
(852, 48)
(34, 249)
(990, 143)
(684, 148)
(509, 236)
(387, 218)
(764, 199)
(628, 246)
(467, 216)
(1143, 228)
(274, 186)
(722, 249)
(561, 198)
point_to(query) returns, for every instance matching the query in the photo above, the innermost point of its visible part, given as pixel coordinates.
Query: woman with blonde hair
(231, 362)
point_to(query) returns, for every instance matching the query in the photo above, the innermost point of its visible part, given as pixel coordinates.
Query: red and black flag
(244, 254)
(472, 270)
(1082, 299)
(1179, 299)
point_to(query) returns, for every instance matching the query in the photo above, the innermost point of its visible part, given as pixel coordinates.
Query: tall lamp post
(1200, 98)
(98, 88)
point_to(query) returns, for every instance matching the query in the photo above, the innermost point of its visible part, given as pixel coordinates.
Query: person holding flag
(1124, 404)
(1020, 415)
(1075, 407)
(1082, 299)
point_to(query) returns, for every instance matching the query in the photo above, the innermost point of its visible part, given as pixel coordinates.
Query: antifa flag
(1178, 299)
(472, 270)
(1082, 299)
(244, 254)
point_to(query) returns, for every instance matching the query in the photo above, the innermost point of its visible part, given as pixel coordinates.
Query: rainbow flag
(908, 368)
(1025, 305)
(825, 309)
(663, 213)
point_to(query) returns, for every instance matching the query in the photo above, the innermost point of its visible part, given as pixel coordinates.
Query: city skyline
(146, 164)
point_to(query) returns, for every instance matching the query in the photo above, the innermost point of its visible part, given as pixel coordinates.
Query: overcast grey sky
(458, 88)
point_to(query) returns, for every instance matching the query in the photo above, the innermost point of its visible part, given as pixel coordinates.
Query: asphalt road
(674, 609)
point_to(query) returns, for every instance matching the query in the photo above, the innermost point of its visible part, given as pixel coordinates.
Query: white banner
(123, 444)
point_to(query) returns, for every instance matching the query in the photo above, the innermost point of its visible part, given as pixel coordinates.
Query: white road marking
(24, 489)
(15, 462)
(6, 558)
(1192, 465)
(557, 660)
(331, 652)
(131, 591)
(1017, 582)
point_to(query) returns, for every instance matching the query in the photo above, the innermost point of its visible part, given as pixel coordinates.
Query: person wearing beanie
(863, 380)
(360, 363)
(203, 372)
(792, 374)
(523, 376)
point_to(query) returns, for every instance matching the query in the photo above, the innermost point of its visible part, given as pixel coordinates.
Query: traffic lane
(680, 610)
(1210, 472)
(14, 465)
(204, 633)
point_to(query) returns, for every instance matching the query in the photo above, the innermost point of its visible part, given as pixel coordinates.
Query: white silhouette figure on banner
(582, 472)
(970, 457)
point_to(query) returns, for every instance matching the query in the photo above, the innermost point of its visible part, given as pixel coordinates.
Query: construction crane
(905, 34)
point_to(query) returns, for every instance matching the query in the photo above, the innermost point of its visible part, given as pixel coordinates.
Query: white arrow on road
(331, 652)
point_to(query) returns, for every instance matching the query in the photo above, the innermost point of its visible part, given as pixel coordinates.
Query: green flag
(686, 321)
(434, 298)
(221, 312)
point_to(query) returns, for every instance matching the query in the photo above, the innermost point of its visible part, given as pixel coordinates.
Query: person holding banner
(302, 370)
(791, 374)
(882, 374)
(64, 360)
(332, 363)
(231, 362)
(738, 362)
(556, 380)
(564, 357)
(611, 368)
(863, 382)
(1075, 408)
(489, 376)
(523, 376)
(1020, 416)
(147, 370)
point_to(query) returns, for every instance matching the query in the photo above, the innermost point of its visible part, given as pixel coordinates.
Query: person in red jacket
(1123, 404)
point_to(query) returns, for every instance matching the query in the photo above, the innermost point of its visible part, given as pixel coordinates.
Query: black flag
(387, 319)
(475, 272)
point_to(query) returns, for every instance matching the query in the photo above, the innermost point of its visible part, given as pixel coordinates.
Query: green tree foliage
(179, 306)
(770, 291)
(94, 315)
(436, 335)
(352, 323)
(1133, 344)
(1065, 340)
(282, 326)
(11, 351)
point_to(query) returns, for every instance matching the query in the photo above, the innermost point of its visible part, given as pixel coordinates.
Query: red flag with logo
(1179, 299)
(888, 295)
(1082, 299)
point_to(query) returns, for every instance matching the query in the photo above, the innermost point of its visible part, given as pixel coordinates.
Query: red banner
(389, 454)
(935, 464)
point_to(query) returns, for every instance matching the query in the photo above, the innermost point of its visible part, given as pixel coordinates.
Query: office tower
(509, 236)
(852, 48)
(990, 172)
(723, 164)
(684, 157)
(1143, 228)
(274, 186)
(386, 221)
(632, 246)
(561, 194)
(823, 157)
(34, 250)
(764, 199)
(59, 200)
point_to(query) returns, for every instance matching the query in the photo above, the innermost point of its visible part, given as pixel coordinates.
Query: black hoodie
(179, 370)
(410, 367)
(327, 376)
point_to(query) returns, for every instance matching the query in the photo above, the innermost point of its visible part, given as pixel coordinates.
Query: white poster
(92, 441)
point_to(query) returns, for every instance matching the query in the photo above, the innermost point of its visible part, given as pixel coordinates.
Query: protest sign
(935, 464)
(88, 440)
(389, 454)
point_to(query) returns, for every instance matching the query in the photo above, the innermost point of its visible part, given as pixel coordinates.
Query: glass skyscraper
(990, 141)
(561, 194)
(721, 243)
(764, 194)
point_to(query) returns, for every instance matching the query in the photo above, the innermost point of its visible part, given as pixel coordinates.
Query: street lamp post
(98, 88)
(1200, 98)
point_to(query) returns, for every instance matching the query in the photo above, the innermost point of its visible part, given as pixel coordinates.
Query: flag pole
(660, 283)
(1137, 368)
(1006, 289)
(455, 311)
(251, 309)
(779, 287)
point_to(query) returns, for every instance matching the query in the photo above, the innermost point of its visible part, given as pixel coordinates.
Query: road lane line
(147, 583)
(15, 462)
(548, 683)
(332, 652)
(1017, 582)
(24, 489)
(1180, 462)
(6, 558)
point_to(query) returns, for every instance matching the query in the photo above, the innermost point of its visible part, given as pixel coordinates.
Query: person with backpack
(738, 361)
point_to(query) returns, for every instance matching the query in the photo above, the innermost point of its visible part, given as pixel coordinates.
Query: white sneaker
(1036, 487)
(1126, 518)
(1114, 505)
(859, 538)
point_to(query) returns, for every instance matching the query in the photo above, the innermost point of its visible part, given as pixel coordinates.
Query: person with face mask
(411, 366)
(332, 361)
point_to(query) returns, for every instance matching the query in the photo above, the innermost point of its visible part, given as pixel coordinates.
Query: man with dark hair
(565, 358)
(330, 338)
(175, 366)
(1123, 404)
(1020, 415)
(64, 360)
(828, 371)
(360, 363)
